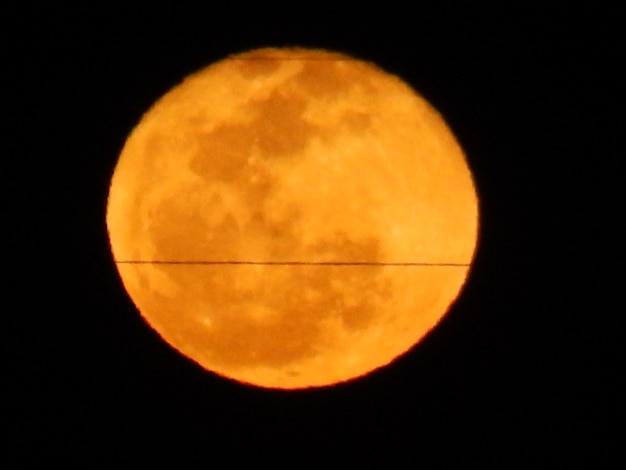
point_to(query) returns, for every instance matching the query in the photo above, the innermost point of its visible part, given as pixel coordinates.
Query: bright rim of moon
(292, 218)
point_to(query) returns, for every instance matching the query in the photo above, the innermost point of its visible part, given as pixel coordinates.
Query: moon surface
(292, 218)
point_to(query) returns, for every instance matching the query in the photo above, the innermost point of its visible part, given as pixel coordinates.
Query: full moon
(292, 218)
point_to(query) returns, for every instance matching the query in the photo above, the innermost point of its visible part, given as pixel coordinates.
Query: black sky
(510, 377)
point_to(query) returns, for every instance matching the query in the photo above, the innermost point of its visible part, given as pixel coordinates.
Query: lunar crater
(294, 314)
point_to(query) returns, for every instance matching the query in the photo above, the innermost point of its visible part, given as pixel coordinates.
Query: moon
(292, 218)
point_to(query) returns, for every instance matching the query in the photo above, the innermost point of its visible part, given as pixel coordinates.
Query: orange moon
(292, 218)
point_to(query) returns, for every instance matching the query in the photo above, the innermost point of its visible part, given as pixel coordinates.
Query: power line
(295, 263)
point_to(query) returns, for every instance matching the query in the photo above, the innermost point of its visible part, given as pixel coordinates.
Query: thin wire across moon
(292, 218)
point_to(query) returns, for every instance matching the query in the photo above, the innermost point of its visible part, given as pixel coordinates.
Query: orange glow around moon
(292, 218)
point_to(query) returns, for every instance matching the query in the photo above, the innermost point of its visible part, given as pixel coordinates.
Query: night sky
(510, 377)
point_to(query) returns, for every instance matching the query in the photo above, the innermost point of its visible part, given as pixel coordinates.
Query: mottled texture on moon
(292, 155)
